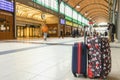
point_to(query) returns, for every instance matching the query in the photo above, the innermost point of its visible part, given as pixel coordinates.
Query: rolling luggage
(99, 57)
(94, 58)
(106, 57)
(84, 60)
(79, 59)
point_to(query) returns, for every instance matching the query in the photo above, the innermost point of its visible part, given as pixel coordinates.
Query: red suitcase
(79, 59)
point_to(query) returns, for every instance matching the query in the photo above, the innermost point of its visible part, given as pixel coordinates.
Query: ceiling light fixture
(78, 6)
(86, 13)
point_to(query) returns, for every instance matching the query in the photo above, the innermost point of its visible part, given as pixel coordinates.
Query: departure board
(7, 5)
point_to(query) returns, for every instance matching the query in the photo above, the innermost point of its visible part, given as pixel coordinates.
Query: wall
(6, 25)
(53, 30)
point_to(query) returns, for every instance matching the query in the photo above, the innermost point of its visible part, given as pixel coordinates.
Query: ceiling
(28, 14)
(96, 10)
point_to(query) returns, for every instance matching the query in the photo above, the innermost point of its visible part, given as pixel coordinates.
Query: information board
(62, 21)
(7, 5)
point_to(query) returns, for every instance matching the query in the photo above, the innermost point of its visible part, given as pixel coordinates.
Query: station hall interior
(25, 55)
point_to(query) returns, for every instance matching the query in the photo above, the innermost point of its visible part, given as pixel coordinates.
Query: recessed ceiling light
(86, 13)
(78, 6)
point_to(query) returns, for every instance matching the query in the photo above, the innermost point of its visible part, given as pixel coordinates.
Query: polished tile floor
(44, 60)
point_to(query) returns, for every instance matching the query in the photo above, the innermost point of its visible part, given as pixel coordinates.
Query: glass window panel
(79, 18)
(47, 3)
(54, 5)
(42, 2)
(74, 15)
(62, 7)
(68, 11)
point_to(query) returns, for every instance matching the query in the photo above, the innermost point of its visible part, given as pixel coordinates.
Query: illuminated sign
(68, 18)
(68, 23)
(62, 21)
(7, 5)
(75, 25)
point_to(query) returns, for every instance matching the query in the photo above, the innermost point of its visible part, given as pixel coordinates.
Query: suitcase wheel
(74, 74)
(85, 75)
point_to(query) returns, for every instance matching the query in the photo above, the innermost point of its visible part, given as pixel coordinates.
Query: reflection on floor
(36, 60)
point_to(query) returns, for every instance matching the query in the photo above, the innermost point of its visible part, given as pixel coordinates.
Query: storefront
(30, 20)
(28, 31)
(6, 20)
(68, 28)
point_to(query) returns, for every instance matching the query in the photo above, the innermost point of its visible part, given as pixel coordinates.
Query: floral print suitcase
(99, 57)
(94, 57)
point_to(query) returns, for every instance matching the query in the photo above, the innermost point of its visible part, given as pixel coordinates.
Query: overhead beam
(94, 12)
(67, 1)
(98, 13)
(78, 3)
(91, 5)
(92, 9)
(84, 0)
(101, 15)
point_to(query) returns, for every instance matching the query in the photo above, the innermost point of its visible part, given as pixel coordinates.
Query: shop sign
(75, 25)
(75, 21)
(68, 18)
(7, 5)
(69, 23)
(62, 21)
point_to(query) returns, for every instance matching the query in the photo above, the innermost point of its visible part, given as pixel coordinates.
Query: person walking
(44, 31)
(110, 32)
(61, 34)
(113, 32)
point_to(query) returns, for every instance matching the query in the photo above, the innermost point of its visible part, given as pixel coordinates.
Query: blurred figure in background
(44, 31)
(109, 31)
(61, 34)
